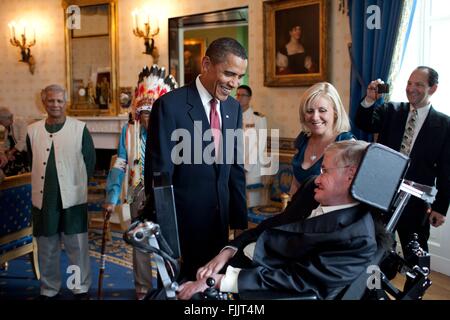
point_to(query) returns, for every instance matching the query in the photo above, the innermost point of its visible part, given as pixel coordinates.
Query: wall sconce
(24, 46)
(147, 33)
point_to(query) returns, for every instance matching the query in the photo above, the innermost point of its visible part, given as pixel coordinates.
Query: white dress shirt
(206, 97)
(422, 114)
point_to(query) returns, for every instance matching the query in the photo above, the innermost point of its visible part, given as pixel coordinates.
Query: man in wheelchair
(321, 243)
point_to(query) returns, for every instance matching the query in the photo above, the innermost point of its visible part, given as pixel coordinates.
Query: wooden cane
(107, 215)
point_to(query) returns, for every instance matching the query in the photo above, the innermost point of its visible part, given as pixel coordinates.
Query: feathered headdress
(151, 85)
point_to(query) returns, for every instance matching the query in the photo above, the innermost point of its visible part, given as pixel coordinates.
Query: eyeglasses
(325, 170)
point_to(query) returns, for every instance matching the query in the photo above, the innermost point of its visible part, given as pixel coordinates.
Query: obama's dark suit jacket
(209, 198)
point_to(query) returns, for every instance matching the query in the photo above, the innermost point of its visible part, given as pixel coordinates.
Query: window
(428, 45)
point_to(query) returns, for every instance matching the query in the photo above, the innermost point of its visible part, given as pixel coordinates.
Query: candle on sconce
(21, 27)
(135, 15)
(22, 41)
(11, 30)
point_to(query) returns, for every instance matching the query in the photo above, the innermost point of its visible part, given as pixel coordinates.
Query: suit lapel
(226, 115)
(324, 223)
(196, 111)
(402, 118)
(229, 114)
(432, 120)
(198, 115)
(427, 131)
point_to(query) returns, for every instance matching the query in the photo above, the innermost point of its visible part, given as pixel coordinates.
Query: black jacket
(430, 155)
(319, 255)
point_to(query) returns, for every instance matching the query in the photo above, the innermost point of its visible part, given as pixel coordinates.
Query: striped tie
(407, 140)
(215, 125)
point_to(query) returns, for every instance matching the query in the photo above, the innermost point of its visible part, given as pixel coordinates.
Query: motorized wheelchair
(378, 183)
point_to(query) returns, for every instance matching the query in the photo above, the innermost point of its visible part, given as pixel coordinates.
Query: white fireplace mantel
(105, 131)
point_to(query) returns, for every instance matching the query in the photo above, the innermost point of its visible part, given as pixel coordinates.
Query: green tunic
(52, 218)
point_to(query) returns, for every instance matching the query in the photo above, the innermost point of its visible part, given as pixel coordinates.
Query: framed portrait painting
(194, 50)
(295, 42)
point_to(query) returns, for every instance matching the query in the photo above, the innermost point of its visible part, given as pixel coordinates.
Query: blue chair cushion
(15, 244)
(282, 182)
(260, 213)
(15, 211)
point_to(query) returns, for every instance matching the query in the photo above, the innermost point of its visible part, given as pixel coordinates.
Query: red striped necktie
(215, 124)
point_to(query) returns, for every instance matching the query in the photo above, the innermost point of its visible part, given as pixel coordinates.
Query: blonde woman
(323, 120)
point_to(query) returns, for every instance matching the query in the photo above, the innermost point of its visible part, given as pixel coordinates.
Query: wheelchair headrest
(379, 176)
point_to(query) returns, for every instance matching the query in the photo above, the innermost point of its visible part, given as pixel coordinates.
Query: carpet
(18, 282)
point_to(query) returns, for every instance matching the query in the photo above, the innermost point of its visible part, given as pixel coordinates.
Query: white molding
(439, 247)
(105, 131)
(440, 264)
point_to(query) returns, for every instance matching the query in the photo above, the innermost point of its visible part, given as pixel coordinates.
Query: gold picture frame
(295, 42)
(193, 52)
(84, 36)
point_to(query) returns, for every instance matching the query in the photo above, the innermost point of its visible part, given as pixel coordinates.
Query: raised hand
(372, 91)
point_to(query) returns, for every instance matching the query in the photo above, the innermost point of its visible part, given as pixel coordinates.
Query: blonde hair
(328, 91)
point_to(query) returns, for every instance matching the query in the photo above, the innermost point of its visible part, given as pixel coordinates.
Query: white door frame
(439, 246)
